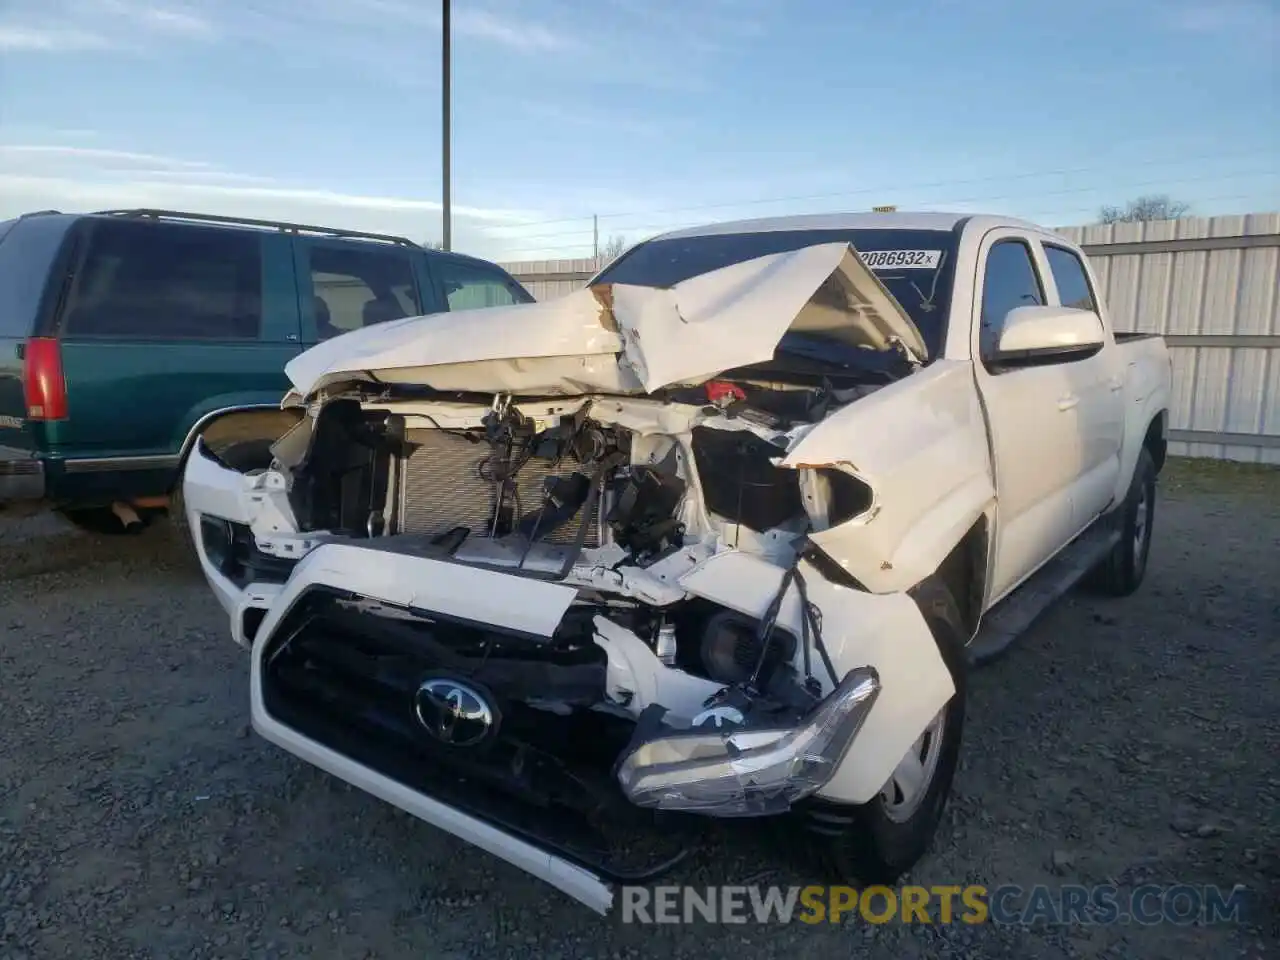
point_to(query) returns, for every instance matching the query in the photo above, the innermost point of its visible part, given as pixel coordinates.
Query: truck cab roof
(901, 220)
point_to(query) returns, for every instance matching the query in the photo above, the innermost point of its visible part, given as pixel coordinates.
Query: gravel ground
(1128, 741)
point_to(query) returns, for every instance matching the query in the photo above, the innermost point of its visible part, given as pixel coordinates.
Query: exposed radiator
(441, 488)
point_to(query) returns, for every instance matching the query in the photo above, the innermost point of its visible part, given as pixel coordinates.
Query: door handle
(1067, 402)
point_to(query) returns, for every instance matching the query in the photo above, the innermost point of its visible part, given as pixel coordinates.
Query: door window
(468, 285)
(355, 287)
(168, 281)
(1071, 279)
(1010, 281)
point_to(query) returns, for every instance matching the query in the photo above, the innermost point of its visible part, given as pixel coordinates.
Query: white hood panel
(619, 338)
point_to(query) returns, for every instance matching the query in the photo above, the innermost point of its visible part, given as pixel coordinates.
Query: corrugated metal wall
(1210, 285)
(548, 279)
(1217, 307)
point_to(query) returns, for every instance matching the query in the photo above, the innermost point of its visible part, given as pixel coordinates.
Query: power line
(1041, 217)
(1270, 171)
(862, 191)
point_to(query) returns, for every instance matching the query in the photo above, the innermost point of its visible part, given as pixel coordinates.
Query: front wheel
(878, 841)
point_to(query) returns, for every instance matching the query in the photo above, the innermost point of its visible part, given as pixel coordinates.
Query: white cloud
(45, 26)
(515, 34)
(48, 39)
(101, 158)
(71, 178)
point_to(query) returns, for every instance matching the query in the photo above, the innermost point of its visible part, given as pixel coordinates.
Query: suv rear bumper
(21, 475)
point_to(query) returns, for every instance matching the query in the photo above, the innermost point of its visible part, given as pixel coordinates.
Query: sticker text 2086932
(901, 259)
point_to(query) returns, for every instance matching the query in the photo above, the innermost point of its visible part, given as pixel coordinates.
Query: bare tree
(1159, 206)
(612, 248)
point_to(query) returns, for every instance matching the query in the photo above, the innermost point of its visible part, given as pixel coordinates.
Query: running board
(1013, 615)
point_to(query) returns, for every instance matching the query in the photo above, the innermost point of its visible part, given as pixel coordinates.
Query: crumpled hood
(621, 338)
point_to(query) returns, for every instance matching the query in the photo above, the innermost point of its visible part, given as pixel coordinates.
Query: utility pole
(595, 236)
(446, 209)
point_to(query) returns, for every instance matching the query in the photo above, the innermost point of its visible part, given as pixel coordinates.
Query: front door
(1032, 418)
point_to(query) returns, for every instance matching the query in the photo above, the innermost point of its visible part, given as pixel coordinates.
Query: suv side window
(1068, 273)
(469, 285)
(355, 287)
(1010, 281)
(168, 281)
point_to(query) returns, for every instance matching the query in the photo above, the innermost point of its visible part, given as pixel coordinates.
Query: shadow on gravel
(46, 544)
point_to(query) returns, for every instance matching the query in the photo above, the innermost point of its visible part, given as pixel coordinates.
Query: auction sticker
(901, 259)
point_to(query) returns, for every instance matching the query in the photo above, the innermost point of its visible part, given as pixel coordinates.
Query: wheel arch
(964, 573)
(226, 420)
(1155, 440)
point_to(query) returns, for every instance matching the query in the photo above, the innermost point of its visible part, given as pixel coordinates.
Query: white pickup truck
(717, 536)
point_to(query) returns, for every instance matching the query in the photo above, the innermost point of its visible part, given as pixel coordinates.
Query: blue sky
(650, 113)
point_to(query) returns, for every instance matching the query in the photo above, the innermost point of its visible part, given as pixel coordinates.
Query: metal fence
(1209, 285)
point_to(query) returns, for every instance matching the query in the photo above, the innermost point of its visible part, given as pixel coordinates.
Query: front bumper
(21, 476)
(884, 635)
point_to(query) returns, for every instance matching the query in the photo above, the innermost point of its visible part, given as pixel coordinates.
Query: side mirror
(1033, 335)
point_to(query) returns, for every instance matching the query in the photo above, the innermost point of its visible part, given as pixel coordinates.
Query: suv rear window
(167, 282)
(28, 248)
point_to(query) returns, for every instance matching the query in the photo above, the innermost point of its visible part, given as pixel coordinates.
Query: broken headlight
(745, 771)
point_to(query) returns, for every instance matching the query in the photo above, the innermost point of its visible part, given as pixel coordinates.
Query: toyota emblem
(454, 712)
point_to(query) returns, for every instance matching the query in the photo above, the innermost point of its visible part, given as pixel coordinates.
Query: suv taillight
(43, 385)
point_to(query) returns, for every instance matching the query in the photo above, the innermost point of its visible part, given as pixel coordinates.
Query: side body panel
(1148, 384)
(921, 445)
(133, 401)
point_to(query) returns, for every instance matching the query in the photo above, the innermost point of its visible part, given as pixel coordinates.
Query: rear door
(1097, 383)
(166, 322)
(344, 285)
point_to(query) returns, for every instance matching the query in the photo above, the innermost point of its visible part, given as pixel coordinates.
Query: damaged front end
(551, 623)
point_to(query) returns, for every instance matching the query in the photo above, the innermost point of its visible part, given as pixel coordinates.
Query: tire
(1123, 569)
(878, 841)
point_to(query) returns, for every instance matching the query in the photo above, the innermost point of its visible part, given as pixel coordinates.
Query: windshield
(916, 266)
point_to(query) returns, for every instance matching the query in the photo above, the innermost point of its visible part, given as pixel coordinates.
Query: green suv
(126, 335)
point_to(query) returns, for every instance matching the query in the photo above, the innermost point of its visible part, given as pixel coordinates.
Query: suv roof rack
(281, 225)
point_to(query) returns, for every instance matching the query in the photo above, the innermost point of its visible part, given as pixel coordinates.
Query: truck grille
(442, 488)
(347, 680)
